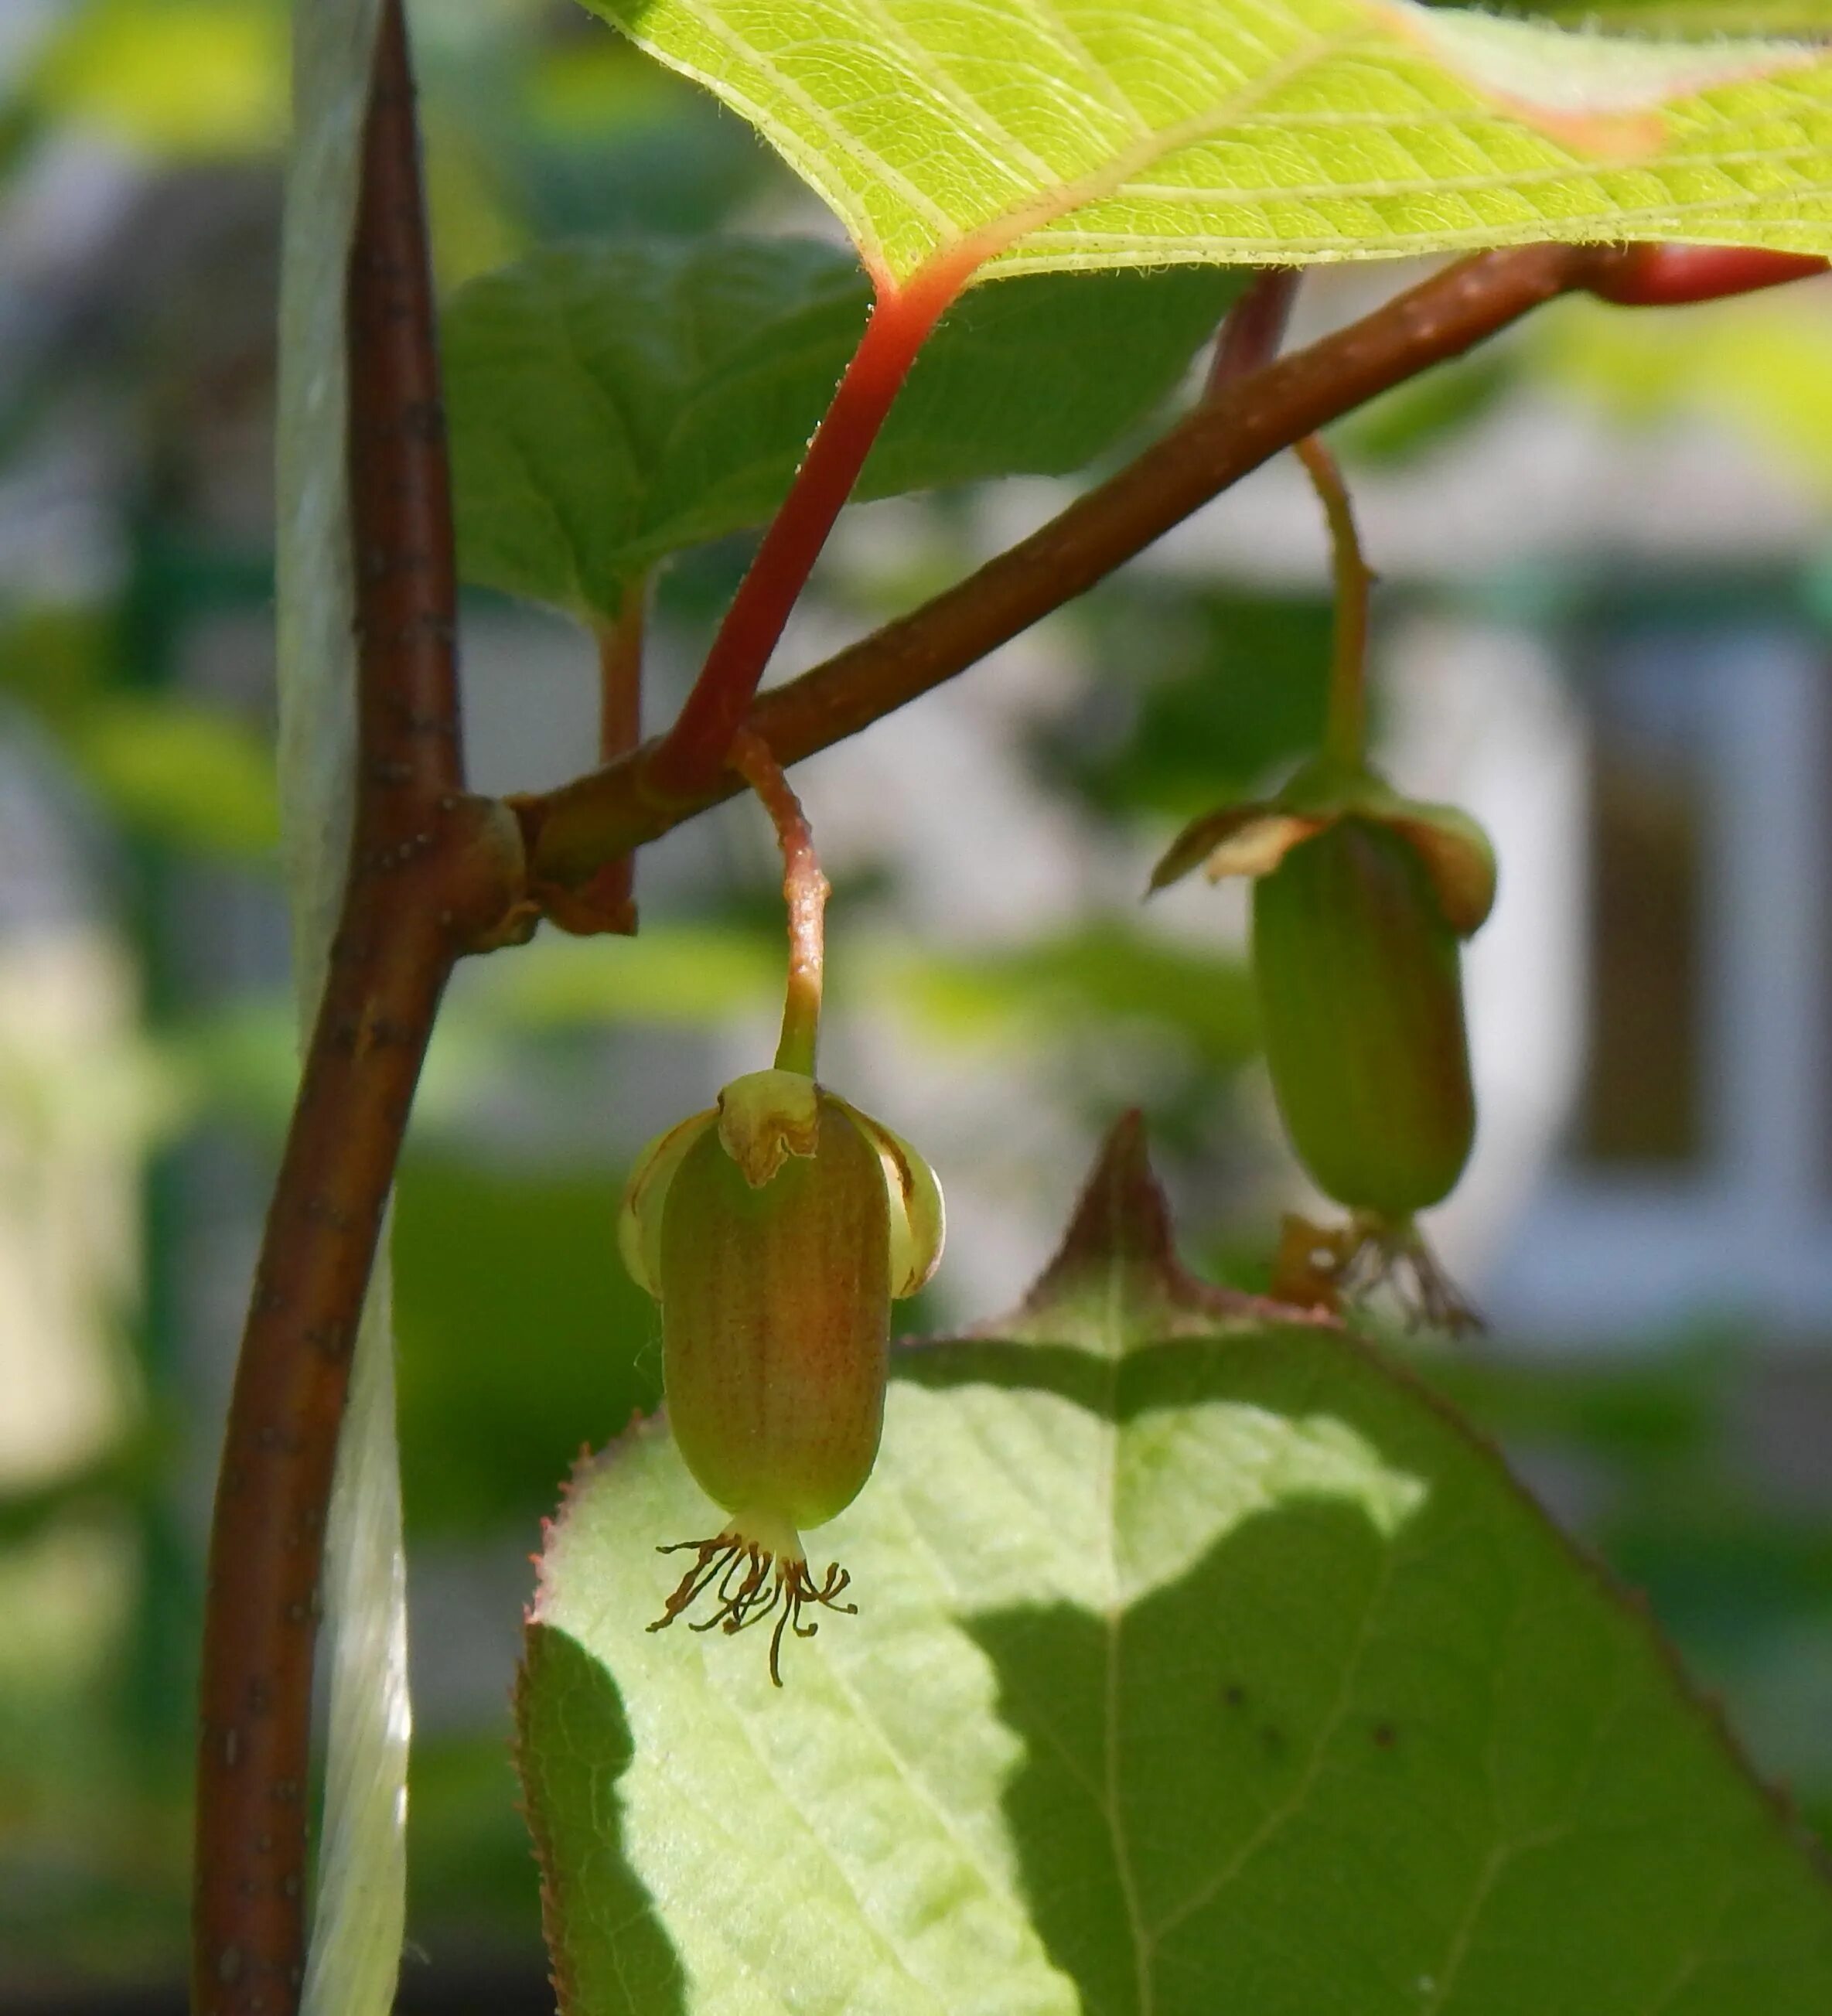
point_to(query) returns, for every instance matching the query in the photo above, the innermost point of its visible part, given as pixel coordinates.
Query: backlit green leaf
(1202, 1664)
(1079, 133)
(612, 402)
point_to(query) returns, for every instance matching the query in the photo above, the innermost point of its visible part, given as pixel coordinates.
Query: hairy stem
(431, 872)
(691, 758)
(1345, 718)
(804, 892)
(572, 831)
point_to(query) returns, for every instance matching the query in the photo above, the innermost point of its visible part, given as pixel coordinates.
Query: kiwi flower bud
(1360, 900)
(775, 1228)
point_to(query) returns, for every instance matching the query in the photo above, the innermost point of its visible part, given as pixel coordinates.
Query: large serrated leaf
(612, 402)
(1077, 133)
(1202, 1664)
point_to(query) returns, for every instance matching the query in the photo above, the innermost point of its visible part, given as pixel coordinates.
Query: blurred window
(1649, 838)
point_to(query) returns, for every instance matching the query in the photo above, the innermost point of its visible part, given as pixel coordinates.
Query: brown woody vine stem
(432, 874)
(572, 831)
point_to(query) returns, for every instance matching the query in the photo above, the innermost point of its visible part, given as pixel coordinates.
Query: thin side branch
(431, 874)
(572, 831)
(620, 675)
(607, 902)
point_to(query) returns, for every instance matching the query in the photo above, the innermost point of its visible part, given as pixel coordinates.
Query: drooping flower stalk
(1345, 719)
(1360, 900)
(805, 890)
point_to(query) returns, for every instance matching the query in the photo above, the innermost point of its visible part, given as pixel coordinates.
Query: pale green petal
(1457, 857)
(639, 1218)
(1236, 839)
(918, 1218)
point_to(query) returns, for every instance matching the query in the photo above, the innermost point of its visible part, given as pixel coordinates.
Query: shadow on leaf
(610, 1952)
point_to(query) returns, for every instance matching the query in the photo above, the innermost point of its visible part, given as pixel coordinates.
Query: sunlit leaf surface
(1201, 1664)
(1077, 133)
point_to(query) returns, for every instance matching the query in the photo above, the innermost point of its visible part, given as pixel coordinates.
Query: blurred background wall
(1603, 625)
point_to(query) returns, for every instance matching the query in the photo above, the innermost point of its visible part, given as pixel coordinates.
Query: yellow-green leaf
(1081, 133)
(1203, 1666)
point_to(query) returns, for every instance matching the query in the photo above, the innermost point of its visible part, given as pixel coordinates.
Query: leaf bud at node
(776, 1229)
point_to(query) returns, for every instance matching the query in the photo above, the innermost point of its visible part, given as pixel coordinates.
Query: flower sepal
(1253, 836)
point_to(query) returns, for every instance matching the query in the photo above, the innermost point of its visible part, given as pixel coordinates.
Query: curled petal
(1235, 839)
(766, 1116)
(639, 1218)
(918, 1219)
(1458, 860)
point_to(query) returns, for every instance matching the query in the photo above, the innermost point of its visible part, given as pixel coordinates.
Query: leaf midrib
(1145, 1990)
(986, 241)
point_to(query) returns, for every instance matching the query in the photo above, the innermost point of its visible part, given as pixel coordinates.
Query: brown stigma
(750, 1584)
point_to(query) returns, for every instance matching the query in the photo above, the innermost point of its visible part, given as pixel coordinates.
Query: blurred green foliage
(520, 1339)
(1204, 693)
(190, 79)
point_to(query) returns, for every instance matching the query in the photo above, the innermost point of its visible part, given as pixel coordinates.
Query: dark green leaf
(613, 402)
(518, 1332)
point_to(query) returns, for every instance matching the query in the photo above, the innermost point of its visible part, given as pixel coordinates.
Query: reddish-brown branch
(620, 676)
(431, 874)
(691, 758)
(572, 831)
